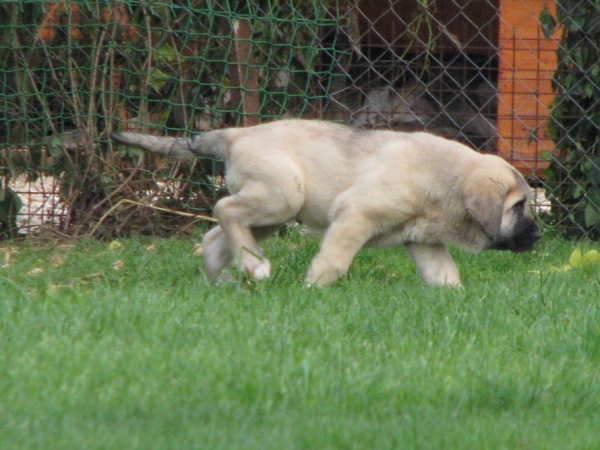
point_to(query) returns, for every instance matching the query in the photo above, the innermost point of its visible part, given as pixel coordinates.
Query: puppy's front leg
(344, 238)
(435, 264)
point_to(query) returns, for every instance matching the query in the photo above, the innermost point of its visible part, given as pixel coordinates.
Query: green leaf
(158, 78)
(547, 22)
(592, 171)
(166, 53)
(575, 258)
(589, 90)
(568, 82)
(590, 257)
(55, 145)
(572, 14)
(591, 214)
(579, 259)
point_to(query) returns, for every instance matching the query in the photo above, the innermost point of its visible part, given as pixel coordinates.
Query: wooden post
(243, 75)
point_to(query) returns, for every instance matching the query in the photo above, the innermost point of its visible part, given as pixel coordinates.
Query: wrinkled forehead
(520, 180)
(519, 187)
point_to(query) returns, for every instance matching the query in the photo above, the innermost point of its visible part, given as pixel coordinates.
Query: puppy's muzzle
(524, 238)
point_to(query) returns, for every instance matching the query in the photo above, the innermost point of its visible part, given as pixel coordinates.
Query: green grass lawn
(125, 346)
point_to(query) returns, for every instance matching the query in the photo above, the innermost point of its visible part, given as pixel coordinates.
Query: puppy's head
(497, 198)
(519, 232)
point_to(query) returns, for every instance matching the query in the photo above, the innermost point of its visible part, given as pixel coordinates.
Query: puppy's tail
(213, 143)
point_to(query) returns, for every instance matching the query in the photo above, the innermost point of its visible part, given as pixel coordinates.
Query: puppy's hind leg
(217, 253)
(435, 264)
(253, 209)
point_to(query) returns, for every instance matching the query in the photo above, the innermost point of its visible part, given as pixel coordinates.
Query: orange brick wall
(527, 63)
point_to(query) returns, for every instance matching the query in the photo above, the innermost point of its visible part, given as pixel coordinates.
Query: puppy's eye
(520, 205)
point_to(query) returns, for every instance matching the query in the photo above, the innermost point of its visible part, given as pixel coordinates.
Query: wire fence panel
(484, 72)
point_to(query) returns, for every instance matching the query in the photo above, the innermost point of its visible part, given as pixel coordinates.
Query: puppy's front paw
(322, 278)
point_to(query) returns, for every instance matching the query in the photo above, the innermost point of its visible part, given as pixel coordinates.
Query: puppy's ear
(484, 201)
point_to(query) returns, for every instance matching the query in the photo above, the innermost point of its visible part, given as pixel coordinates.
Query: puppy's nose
(537, 235)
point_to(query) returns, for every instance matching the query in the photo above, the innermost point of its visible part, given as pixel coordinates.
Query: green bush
(573, 175)
(74, 72)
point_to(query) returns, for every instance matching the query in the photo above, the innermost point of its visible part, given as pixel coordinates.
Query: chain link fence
(484, 72)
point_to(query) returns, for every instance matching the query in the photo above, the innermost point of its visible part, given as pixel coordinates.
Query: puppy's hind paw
(255, 265)
(261, 271)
